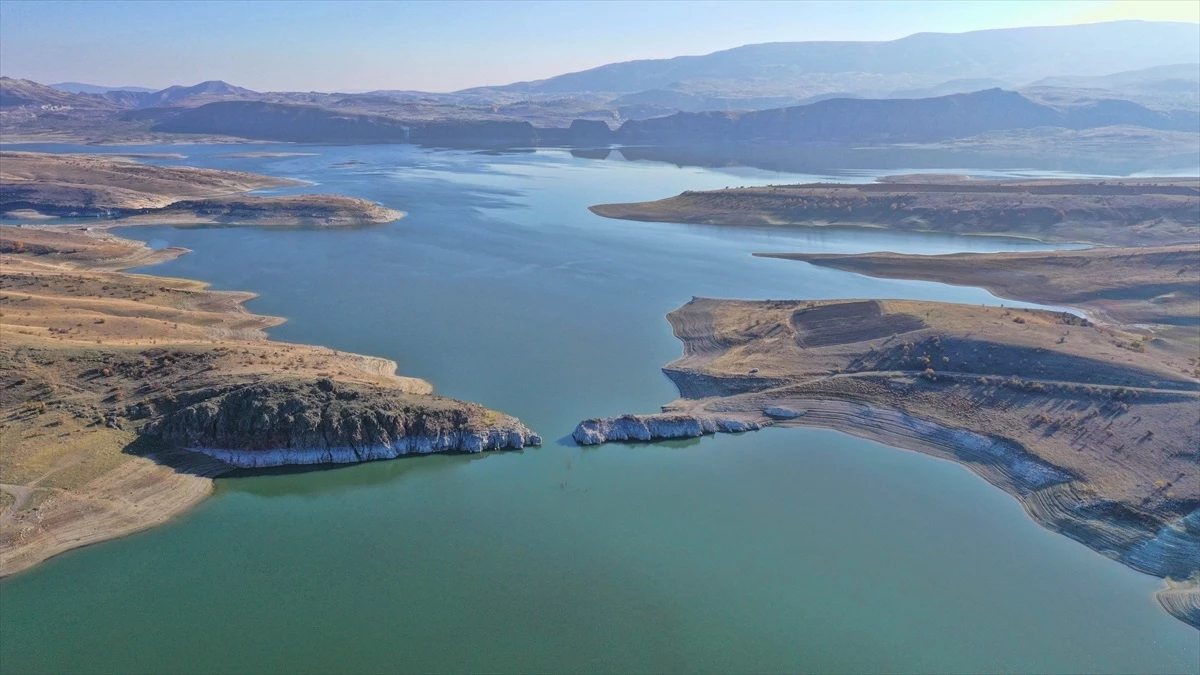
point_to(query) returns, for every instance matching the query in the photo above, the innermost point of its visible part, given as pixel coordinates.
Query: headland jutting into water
(1089, 422)
(122, 395)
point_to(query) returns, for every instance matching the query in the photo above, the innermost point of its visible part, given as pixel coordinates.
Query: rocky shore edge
(1043, 490)
(174, 385)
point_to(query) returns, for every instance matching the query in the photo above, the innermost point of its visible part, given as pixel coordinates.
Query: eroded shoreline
(123, 395)
(113, 192)
(1087, 440)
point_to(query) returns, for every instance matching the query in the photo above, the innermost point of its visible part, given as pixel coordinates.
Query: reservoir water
(781, 550)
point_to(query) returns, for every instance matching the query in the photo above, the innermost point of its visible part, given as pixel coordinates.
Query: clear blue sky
(443, 46)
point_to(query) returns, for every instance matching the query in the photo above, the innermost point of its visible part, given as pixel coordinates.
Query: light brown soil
(117, 191)
(1092, 427)
(84, 348)
(1158, 287)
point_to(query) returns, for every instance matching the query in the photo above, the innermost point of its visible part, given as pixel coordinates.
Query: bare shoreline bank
(1073, 478)
(115, 386)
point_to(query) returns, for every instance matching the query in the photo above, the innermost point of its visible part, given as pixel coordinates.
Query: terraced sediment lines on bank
(116, 191)
(1091, 427)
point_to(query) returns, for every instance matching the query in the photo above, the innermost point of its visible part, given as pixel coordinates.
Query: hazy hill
(314, 124)
(16, 93)
(845, 120)
(962, 85)
(842, 120)
(1176, 72)
(180, 95)
(925, 59)
(83, 88)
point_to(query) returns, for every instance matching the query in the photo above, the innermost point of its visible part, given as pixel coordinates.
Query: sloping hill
(210, 89)
(1188, 72)
(16, 93)
(85, 88)
(305, 123)
(917, 60)
(846, 120)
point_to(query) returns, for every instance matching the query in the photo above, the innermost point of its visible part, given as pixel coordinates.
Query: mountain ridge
(1013, 52)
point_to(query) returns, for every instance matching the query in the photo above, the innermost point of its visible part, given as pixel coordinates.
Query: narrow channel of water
(782, 550)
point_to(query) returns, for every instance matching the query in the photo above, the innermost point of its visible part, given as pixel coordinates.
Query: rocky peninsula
(1124, 212)
(1092, 427)
(1089, 422)
(116, 191)
(123, 395)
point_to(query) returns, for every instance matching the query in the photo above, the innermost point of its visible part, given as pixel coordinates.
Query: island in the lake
(120, 192)
(1092, 423)
(122, 395)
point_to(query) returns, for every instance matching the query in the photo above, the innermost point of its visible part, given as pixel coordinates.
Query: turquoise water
(782, 550)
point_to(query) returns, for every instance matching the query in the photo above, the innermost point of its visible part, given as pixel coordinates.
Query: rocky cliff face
(298, 422)
(658, 427)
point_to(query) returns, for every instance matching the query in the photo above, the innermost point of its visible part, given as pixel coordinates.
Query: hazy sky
(443, 46)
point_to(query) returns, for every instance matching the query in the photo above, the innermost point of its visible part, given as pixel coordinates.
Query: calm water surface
(782, 550)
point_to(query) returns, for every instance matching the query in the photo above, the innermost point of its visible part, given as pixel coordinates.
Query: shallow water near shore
(780, 550)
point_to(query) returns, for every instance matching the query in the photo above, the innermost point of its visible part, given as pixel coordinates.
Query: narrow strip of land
(114, 191)
(1157, 286)
(1123, 212)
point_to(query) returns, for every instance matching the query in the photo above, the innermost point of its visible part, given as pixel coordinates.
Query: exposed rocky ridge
(302, 422)
(664, 426)
(123, 395)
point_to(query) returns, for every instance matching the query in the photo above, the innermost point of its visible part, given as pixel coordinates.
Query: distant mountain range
(14, 92)
(926, 88)
(846, 120)
(83, 88)
(919, 65)
(843, 120)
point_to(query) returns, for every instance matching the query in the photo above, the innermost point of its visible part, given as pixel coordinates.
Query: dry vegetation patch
(93, 360)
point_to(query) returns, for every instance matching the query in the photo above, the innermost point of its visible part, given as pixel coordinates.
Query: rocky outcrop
(589, 131)
(658, 427)
(298, 422)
